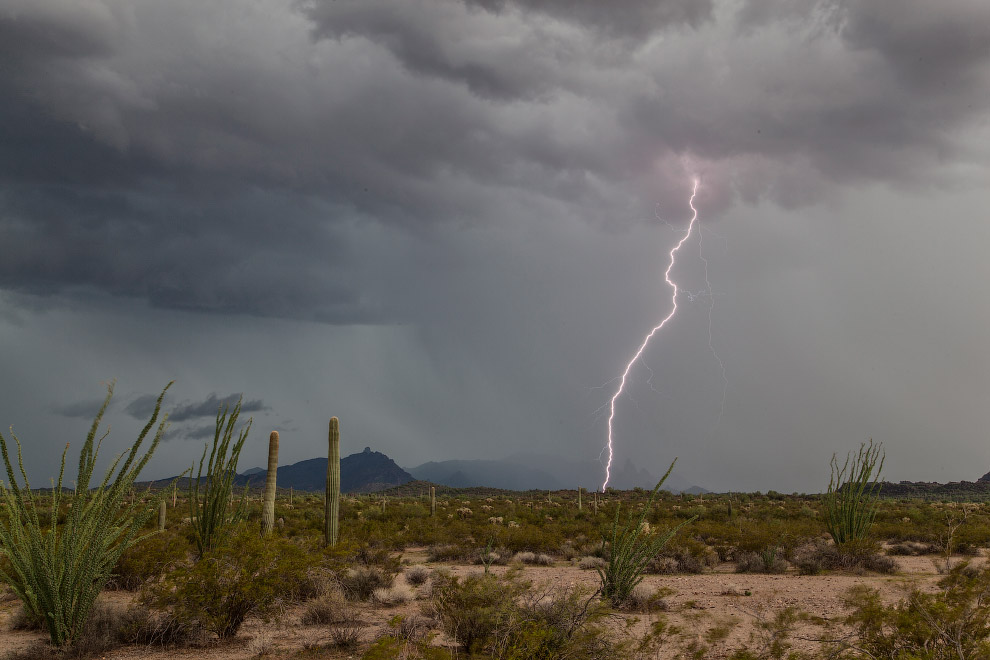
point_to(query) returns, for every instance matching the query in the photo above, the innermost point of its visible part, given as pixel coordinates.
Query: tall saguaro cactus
(268, 506)
(433, 500)
(579, 498)
(331, 506)
(162, 515)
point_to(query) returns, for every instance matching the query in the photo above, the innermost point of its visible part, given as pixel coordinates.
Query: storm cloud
(479, 184)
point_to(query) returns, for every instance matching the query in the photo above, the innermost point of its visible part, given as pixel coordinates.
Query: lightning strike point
(649, 336)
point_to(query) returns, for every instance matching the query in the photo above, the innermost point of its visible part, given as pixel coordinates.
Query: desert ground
(716, 612)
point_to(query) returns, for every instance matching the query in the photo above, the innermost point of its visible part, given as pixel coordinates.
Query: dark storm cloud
(253, 158)
(209, 407)
(143, 406)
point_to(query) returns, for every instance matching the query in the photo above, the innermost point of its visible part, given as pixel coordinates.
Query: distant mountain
(491, 474)
(542, 472)
(366, 472)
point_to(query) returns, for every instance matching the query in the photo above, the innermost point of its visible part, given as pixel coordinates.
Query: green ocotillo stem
(268, 504)
(162, 509)
(331, 510)
(433, 500)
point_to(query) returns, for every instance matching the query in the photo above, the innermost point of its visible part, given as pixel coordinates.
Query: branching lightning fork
(646, 340)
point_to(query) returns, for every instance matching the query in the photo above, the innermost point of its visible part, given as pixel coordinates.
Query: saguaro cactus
(331, 506)
(268, 505)
(579, 498)
(162, 509)
(433, 500)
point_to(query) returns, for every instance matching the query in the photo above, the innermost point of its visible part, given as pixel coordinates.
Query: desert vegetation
(424, 571)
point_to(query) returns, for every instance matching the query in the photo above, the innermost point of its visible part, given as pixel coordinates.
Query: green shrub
(953, 622)
(471, 610)
(58, 571)
(245, 575)
(148, 559)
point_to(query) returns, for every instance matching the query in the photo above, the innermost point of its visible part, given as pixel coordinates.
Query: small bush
(150, 558)
(416, 575)
(332, 607)
(446, 553)
(245, 575)
(953, 622)
(911, 549)
(360, 583)
(645, 599)
(590, 563)
(471, 610)
(814, 558)
(345, 634)
(396, 595)
(766, 561)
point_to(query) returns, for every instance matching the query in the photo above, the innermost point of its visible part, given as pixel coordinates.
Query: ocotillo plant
(331, 506)
(58, 572)
(268, 507)
(631, 549)
(209, 501)
(850, 505)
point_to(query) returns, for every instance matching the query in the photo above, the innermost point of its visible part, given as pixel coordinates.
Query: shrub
(953, 622)
(765, 561)
(644, 599)
(360, 583)
(416, 575)
(814, 558)
(471, 610)
(245, 575)
(147, 559)
(58, 572)
(332, 607)
(589, 562)
(396, 595)
(631, 549)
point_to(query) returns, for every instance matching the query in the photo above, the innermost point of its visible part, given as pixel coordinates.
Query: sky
(447, 222)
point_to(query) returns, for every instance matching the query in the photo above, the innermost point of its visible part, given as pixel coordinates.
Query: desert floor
(720, 599)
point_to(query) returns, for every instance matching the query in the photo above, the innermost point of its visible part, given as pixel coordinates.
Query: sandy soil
(698, 603)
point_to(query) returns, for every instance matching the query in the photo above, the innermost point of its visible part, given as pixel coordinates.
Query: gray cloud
(143, 406)
(209, 407)
(237, 174)
(80, 409)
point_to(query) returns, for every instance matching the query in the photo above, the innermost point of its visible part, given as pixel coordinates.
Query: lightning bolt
(655, 330)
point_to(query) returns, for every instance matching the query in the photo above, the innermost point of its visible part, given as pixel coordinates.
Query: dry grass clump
(396, 595)
(533, 558)
(768, 560)
(361, 582)
(813, 558)
(644, 598)
(911, 549)
(416, 575)
(108, 627)
(591, 563)
(331, 607)
(445, 552)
